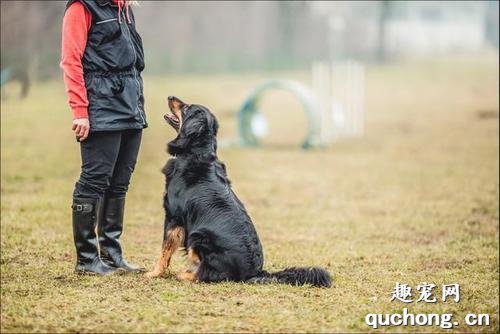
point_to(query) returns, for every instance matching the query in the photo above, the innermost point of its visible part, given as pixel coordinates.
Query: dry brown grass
(415, 200)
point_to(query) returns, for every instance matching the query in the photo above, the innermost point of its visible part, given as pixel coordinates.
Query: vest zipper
(134, 68)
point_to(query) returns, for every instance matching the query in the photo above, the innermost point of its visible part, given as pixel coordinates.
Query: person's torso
(112, 62)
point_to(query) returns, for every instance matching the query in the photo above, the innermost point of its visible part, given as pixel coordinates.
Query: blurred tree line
(222, 36)
(30, 36)
(190, 36)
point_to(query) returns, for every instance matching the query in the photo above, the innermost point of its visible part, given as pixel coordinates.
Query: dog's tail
(295, 276)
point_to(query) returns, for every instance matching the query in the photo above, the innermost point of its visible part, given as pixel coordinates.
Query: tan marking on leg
(193, 256)
(192, 273)
(175, 238)
(187, 276)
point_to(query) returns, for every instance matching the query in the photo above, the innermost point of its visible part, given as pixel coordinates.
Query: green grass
(414, 200)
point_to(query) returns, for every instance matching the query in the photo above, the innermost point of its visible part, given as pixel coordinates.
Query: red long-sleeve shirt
(76, 25)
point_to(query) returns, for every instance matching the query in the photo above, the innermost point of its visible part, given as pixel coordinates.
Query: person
(102, 60)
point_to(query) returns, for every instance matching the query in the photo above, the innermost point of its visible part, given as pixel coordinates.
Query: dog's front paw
(152, 274)
(187, 276)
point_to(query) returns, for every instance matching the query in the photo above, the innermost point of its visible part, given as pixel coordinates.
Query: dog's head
(195, 125)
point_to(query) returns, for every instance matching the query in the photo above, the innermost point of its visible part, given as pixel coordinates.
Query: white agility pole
(339, 90)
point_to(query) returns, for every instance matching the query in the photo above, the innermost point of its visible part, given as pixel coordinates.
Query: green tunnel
(249, 110)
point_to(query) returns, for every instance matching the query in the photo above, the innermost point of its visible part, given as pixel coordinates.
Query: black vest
(112, 63)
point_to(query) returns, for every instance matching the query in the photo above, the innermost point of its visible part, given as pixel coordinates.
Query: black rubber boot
(84, 224)
(110, 229)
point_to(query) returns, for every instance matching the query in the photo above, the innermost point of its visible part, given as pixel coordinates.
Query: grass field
(415, 200)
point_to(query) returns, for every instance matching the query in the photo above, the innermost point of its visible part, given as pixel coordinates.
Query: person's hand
(81, 127)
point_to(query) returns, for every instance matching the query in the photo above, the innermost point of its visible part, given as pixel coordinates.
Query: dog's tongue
(171, 117)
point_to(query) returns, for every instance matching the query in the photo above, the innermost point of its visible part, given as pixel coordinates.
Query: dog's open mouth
(172, 120)
(174, 116)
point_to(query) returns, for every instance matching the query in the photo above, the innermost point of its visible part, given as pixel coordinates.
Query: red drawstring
(121, 4)
(126, 10)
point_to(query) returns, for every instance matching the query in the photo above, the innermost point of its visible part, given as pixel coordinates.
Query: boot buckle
(77, 207)
(82, 207)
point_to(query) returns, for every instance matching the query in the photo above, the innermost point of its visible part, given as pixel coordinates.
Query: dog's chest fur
(189, 181)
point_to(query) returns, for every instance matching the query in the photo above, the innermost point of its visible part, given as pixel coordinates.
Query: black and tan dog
(204, 215)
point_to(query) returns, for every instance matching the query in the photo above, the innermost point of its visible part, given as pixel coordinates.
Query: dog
(205, 216)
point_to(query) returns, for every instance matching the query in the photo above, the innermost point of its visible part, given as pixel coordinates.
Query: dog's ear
(178, 146)
(193, 129)
(196, 126)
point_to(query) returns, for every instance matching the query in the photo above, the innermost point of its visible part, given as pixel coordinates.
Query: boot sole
(93, 273)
